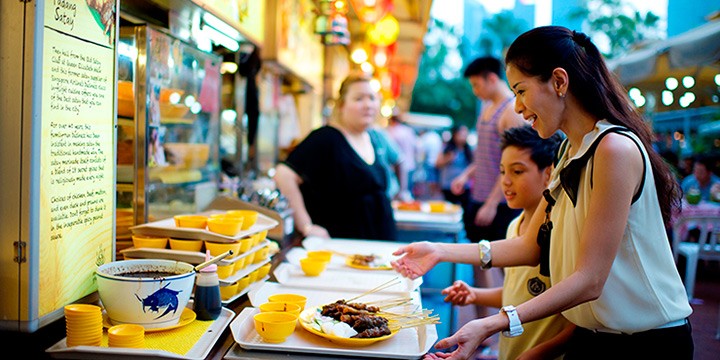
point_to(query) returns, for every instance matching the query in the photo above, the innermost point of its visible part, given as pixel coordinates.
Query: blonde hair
(344, 86)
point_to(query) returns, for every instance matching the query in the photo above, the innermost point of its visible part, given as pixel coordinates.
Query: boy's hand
(459, 293)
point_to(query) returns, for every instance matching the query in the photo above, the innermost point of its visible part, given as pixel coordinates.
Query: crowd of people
(562, 190)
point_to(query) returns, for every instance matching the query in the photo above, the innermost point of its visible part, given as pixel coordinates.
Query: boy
(525, 168)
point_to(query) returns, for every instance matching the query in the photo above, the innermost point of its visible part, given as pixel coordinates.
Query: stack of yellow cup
(126, 335)
(83, 324)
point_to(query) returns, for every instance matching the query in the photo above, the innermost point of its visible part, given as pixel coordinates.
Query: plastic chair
(706, 247)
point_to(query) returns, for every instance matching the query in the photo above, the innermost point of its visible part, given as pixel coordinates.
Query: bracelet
(485, 256)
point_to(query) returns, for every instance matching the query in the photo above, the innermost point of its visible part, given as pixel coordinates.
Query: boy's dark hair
(483, 66)
(542, 151)
(706, 160)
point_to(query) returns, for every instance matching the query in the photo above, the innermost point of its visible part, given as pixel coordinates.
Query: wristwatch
(485, 257)
(516, 328)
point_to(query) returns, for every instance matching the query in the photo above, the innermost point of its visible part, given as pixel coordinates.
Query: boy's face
(522, 181)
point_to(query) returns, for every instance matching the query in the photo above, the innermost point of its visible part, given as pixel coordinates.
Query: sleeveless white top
(643, 290)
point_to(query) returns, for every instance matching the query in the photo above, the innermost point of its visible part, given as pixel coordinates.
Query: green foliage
(499, 32)
(618, 24)
(440, 88)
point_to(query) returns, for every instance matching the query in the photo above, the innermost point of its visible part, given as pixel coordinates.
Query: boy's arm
(552, 348)
(488, 297)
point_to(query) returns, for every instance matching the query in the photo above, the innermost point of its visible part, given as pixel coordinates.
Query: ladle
(213, 260)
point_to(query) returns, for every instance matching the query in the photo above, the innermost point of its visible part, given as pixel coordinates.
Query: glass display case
(168, 126)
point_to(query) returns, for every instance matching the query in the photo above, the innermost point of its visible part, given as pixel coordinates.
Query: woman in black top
(334, 180)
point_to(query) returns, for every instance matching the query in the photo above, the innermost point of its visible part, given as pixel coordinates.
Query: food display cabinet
(168, 127)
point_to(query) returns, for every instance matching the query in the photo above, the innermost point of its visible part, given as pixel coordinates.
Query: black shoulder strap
(570, 175)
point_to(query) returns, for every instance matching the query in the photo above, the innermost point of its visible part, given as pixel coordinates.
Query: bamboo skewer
(394, 281)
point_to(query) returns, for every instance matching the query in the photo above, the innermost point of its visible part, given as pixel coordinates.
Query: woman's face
(538, 102)
(521, 179)
(360, 106)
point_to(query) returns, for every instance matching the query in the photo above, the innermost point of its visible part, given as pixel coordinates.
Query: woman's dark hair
(543, 49)
(542, 151)
(451, 145)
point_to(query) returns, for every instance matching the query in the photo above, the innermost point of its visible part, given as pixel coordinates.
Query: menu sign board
(77, 149)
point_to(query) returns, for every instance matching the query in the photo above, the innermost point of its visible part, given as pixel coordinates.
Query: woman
(456, 156)
(334, 180)
(608, 256)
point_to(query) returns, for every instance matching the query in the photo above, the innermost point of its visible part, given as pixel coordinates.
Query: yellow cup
(264, 270)
(225, 271)
(323, 255)
(191, 221)
(226, 226)
(140, 241)
(186, 244)
(275, 327)
(437, 206)
(312, 267)
(290, 298)
(261, 255)
(249, 217)
(280, 307)
(228, 291)
(239, 264)
(217, 248)
(243, 283)
(245, 244)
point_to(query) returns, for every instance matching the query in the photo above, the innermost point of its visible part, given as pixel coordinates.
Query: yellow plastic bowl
(226, 292)
(437, 206)
(280, 307)
(323, 255)
(262, 235)
(245, 244)
(275, 327)
(252, 277)
(239, 264)
(243, 283)
(226, 226)
(261, 255)
(220, 248)
(249, 217)
(264, 270)
(191, 221)
(312, 267)
(225, 271)
(140, 241)
(186, 244)
(290, 298)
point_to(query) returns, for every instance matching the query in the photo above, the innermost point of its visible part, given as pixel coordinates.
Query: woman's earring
(561, 95)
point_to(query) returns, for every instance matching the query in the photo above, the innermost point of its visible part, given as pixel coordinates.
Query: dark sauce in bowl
(148, 274)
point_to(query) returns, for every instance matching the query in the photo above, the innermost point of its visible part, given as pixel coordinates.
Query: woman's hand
(459, 293)
(467, 339)
(317, 231)
(457, 186)
(417, 259)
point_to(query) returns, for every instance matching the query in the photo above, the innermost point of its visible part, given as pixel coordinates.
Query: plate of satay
(367, 262)
(352, 323)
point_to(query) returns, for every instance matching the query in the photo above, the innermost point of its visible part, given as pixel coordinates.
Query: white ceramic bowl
(153, 301)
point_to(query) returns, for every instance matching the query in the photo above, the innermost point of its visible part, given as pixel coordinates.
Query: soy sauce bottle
(207, 304)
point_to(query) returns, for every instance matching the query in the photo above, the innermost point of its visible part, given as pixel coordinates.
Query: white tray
(167, 228)
(337, 262)
(410, 343)
(199, 351)
(192, 257)
(341, 280)
(317, 297)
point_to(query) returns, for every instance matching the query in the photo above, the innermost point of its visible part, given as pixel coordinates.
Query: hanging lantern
(370, 11)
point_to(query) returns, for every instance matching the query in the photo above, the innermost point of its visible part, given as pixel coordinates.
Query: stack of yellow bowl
(126, 335)
(228, 291)
(83, 324)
